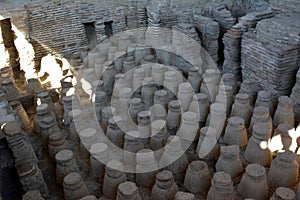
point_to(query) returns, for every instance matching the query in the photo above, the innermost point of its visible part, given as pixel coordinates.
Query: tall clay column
(221, 188)
(22, 150)
(65, 164)
(232, 51)
(254, 183)
(32, 178)
(197, 178)
(128, 190)
(113, 177)
(174, 158)
(165, 188)
(74, 187)
(146, 168)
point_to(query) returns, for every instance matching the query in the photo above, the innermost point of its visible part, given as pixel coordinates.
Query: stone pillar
(225, 97)
(171, 83)
(148, 90)
(32, 195)
(128, 190)
(235, 132)
(137, 80)
(283, 193)
(135, 107)
(65, 164)
(264, 98)
(174, 159)
(114, 132)
(74, 187)
(101, 100)
(232, 51)
(165, 188)
(161, 98)
(57, 143)
(158, 138)
(48, 126)
(197, 178)
(31, 178)
(98, 159)
(284, 112)
(188, 130)
(88, 137)
(195, 79)
(113, 177)
(173, 117)
(229, 80)
(22, 150)
(217, 118)
(254, 183)
(18, 108)
(132, 145)
(261, 115)
(230, 162)
(208, 148)
(257, 149)
(184, 196)
(107, 113)
(144, 126)
(241, 108)
(284, 171)
(158, 74)
(185, 95)
(221, 187)
(146, 168)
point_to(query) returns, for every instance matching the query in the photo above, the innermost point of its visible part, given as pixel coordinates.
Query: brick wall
(55, 29)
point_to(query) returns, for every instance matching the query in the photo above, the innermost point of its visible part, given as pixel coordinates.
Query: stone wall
(55, 29)
(270, 55)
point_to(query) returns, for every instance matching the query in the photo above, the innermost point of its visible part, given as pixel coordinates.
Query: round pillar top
(217, 108)
(89, 197)
(230, 151)
(144, 156)
(158, 125)
(222, 179)
(42, 107)
(184, 196)
(108, 111)
(175, 104)
(56, 137)
(98, 148)
(72, 178)
(127, 189)
(261, 110)
(198, 165)
(243, 98)
(12, 128)
(125, 93)
(132, 135)
(261, 131)
(165, 175)
(161, 93)
(87, 133)
(189, 117)
(185, 88)
(284, 193)
(236, 121)
(114, 165)
(255, 170)
(135, 101)
(64, 156)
